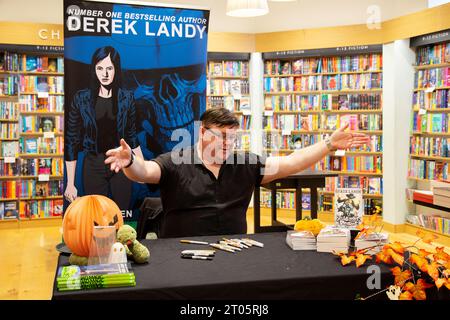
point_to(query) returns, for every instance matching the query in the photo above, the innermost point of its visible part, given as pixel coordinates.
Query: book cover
(45, 166)
(349, 207)
(52, 64)
(2, 210)
(46, 124)
(10, 148)
(306, 201)
(286, 68)
(42, 189)
(31, 63)
(10, 211)
(297, 66)
(31, 145)
(332, 122)
(217, 69)
(235, 87)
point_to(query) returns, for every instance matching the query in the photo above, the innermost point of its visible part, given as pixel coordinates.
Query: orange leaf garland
(406, 295)
(398, 258)
(361, 259)
(397, 247)
(426, 237)
(439, 282)
(421, 262)
(346, 259)
(401, 276)
(418, 289)
(441, 254)
(384, 257)
(433, 271)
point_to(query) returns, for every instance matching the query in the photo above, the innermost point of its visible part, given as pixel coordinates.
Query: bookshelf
(228, 86)
(31, 163)
(429, 130)
(310, 93)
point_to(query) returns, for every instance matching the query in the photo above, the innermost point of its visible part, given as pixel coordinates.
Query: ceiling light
(247, 8)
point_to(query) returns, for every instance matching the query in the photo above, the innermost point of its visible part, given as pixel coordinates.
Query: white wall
(398, 86)
(301, 14)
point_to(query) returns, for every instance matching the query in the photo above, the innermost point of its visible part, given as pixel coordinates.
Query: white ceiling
(301, 14)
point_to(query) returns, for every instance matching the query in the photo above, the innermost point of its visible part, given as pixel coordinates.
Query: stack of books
(332, 239)
(95, 276)
(423, 196)
(374, 241)
(301, 240)
(441, 196)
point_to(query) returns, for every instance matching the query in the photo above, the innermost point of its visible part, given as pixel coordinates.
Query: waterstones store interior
(314, 139)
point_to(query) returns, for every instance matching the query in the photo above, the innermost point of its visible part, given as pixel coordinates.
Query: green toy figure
(135, 250)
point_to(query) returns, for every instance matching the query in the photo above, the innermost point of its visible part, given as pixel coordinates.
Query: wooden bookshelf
(437, 134)
(9, 139)
(14, 98)
(418, 227)
(44, 113)
(39, 134)
(347, 153)
(446, 159)
(36, 93)
(41, 198)
(319, 74)
(437, 110)
(432, 66)
(324, 92)
(358, 173)
(228, 78)
(41, 155)
(40, 73)
(9, 120)
(367, 111)
(365, 195)
(434, 88)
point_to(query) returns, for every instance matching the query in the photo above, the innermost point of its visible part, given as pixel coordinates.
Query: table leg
(274, 205)
(298, 204)
(313, 202)
(256, 210)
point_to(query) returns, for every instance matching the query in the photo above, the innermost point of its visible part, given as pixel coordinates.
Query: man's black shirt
(195, 203)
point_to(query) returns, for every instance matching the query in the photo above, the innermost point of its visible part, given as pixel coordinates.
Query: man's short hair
(219, 117)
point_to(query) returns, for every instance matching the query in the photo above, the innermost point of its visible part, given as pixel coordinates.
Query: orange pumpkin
(82, 215)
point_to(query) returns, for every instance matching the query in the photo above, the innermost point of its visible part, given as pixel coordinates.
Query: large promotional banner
(132, 71)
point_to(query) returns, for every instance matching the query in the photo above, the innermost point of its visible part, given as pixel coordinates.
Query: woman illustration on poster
(99, 117)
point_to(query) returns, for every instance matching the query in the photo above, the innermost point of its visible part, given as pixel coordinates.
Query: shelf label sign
(44, 177)
(42, 94)
(10, 160)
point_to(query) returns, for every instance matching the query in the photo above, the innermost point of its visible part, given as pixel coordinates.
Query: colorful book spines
(35, 209)
(433, 54)
(427, 169)
(356, 164)
(369, 185)
(9, 169)
(9, 189)
(438, 99)
(355, 63)
(9, 130)
(225, 87)
(228, 68)
(429, 146)
(8, 110)
(432, 78)
(430, 122)
(32, 84)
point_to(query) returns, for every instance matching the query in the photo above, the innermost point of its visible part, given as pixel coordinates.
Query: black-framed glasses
(230, 138)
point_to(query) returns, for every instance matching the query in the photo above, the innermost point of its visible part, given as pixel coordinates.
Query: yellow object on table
(314, 225)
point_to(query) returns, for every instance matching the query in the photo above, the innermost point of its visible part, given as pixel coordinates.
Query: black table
(305, 179)
(273, 272)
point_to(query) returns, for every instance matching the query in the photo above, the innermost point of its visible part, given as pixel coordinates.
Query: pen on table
(233, 243)
(221, 247)
(230, 246)
(256, 243)
(242, 243)
(196, 257)
(193, 242)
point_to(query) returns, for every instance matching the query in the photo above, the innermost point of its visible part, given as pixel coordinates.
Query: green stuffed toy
(135, 250)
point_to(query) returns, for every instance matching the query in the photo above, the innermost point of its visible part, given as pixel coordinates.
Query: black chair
(151, 214)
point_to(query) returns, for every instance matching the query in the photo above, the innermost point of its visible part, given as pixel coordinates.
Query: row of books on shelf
(432, 78)
(368, 185)
(245, 122)
(430, 122)
(32, 209)
(427, 169)
(355, 63)
(243, 141)
(41, 145)
(364, 164)
(300, 141)
(8, 86)
(30, 188)
(318, 102)
(429, 146)
(231, 103)
(371, 206)
(10, 61)
(284, 200)
(32, 167)
(41, 84)
(8, 110)
(41, 124)
(228, 68)
(323, 83)
(433, 54)
(438, 99)
(9, 130)
(433, 222)
(232, 87)
(33, 103)
(323, 122)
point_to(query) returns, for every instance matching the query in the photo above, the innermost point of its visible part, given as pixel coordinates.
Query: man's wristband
(131, 160)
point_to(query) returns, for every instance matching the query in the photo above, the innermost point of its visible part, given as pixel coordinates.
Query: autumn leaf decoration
(412, 266)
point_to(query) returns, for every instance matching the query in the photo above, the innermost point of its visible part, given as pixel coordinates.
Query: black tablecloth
(272, 272)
